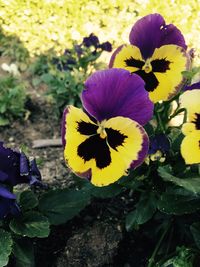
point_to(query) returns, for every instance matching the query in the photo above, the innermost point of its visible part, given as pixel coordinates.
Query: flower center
(101, 130)
(147, 66)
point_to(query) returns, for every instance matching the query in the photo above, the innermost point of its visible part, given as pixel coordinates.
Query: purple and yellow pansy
(157, 53)
(107, 138)
(190, 147)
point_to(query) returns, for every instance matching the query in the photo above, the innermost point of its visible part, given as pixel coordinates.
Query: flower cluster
(107, 138)
(15, 168)
(90, 45)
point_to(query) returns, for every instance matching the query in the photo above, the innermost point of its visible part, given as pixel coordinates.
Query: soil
(95, 238)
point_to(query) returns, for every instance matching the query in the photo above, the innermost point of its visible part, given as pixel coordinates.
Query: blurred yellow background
(45, 24)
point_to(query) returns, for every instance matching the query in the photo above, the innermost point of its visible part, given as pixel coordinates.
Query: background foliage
(42, 25)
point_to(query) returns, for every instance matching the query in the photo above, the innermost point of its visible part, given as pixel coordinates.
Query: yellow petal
(187, 128)
(191, 101)
(170, 82)
(74, 139)
(127, 52)
(124, 154)
(190, 148)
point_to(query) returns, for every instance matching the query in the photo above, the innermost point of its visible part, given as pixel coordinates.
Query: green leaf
(47, 78)
(5, 247)
(106, 191)
(62, 205)
(109, 191)
(145, 209)
(3, 121)
(24, 253)
(195, 230)
(28, 200)
(190, 184)
(178, 204)
(31, 224)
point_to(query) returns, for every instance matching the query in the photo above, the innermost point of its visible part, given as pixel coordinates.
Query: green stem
(177, 111)
(152, 259)
(160, 123)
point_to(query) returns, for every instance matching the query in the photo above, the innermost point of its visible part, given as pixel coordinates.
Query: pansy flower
(16, 168)
(157, 53)
(106, 139)
(190, 146)
(92, 40)
(159, 147)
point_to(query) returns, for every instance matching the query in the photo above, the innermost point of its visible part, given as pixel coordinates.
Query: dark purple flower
(106, 46)
(64, 65)
(151, 32)
(68, 64)
(159, 142)
(34, 174)
(10, 166)
(24, 165)
(92, 40)
(116, 92)
(16, 168)
(8, 204)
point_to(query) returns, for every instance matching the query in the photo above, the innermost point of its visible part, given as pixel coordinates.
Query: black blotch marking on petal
(86, 128)
(96, 148)
(150, 80)
(196, 121)
(160, 65)
(132, 62)
(115, 138)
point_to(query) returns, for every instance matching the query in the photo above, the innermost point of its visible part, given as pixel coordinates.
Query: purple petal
(10, 165)
(159, 142)
(3, 176)
(106, 46)
(34, 168)
(4, 207)
(24, 164)
(193, 86)
(116, 92)
(151, 32)
(8, 206)
(5, 193)
(35, 175)
(91, 40)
